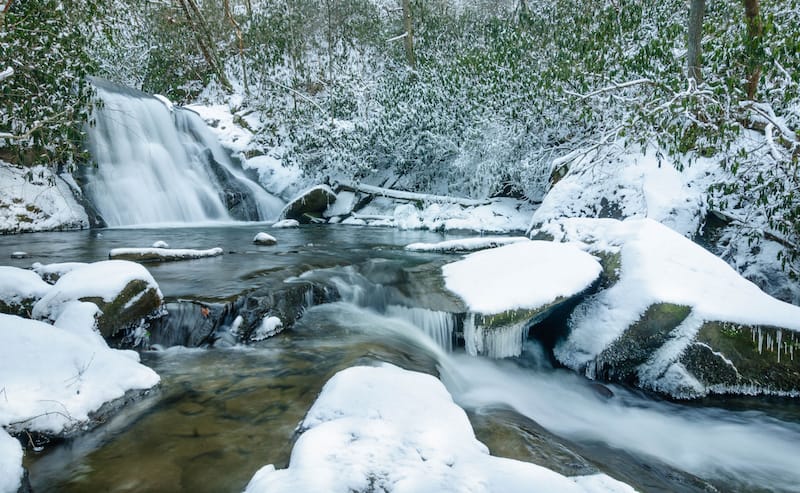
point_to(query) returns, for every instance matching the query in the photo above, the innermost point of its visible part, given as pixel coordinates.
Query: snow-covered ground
(34, 199)
(387, 429)
(10, 463)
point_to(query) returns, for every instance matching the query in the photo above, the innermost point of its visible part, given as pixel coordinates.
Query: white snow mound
(53, 378)
(525, 275)
(387, 429)
(466, 244)
(10, 463)
(17, 285)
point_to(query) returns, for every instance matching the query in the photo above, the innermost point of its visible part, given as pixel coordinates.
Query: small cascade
(156, 164)
(439, 326)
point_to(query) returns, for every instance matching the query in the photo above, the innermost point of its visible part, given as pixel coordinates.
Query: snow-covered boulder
(311, 203)
(51, 273)
(391, 430)
(162, 254)
(675, 318)
(20, 289)
(264, 239)
(125, 292)
(54, 379)
(35, 199)
(508, 289)
(286, 223)
(466, 244)
(11, 471)
(269, 327)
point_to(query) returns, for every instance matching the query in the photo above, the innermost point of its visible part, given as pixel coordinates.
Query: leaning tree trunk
(408, 40)
(694, 41)
(753, 47)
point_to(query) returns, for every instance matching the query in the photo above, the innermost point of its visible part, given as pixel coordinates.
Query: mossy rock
(611, 263)
(759, 358)
(619, 361)
(21, 308)
(136, 302)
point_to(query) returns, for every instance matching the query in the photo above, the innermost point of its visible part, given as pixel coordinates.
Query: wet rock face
(187, 323)
(287, 303)
(138, 302)
(733, 357)
(619, 362)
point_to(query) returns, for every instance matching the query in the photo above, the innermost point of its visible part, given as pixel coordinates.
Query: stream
(222, 413)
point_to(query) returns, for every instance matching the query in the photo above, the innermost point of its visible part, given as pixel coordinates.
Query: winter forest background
(468, 97)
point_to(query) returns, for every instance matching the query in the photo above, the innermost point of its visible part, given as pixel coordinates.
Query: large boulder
(310, 204)
(674, 318)
(20, 289)
(125, 292)
(507, 290)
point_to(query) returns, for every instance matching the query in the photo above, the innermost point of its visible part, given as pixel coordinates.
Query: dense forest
(464, 97)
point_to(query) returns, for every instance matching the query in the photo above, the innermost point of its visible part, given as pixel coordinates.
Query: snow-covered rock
(344, 204)
(310, 203)
(387, 429)
(162, 254)
(53, 378)
(268, 328)
(507, 289)
(631, 185)
(35, 199)
(466, 244)
(19, 290)
(11, 471)
(264, 239)
(160, 244)
(51, 273)
(286, 223)
(676, 318)
(124, 291)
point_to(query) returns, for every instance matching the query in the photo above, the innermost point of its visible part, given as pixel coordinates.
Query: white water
(494, 342)
(151, 166)
(746, 448)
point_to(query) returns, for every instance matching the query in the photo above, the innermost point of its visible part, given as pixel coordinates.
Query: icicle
(760, 341)
(779, 335)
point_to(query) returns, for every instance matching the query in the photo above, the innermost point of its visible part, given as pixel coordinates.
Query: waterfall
(156, 164)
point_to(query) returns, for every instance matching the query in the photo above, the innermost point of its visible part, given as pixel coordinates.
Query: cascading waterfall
(439, 326)
(162, 165)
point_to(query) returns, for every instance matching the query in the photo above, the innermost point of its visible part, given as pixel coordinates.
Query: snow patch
(17, 285)
(11, 471)
(466, 244)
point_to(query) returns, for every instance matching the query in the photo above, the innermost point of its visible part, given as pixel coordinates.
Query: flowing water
(162, 165)
(222, 413)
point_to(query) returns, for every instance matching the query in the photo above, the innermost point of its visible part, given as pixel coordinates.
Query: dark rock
(310, 204)
(187, 323)
(138, 302)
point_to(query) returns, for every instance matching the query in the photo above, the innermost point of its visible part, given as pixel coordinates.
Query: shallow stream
(222, 413)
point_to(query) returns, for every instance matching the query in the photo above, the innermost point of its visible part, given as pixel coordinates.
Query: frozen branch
(5, 74)
(411, 196)
(613, 87)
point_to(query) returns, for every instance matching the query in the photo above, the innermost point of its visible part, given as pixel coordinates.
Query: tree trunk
(204, 41)
(408, 40)
(753, 48)
(240, 38)
(694, 41)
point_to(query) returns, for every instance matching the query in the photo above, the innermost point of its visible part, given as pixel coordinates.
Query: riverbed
(222, 413)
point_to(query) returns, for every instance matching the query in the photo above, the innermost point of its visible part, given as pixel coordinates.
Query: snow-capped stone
(54, 378)
(387, 429)
(507, 289)
(268, 328)
(19, 290)
(286, 223)
(678, 319)
(264, 239)
(124, 291)
(160, 244)
(162, 254)
(310, 203)
(11, 471)
(466, 244)
(50, 273)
